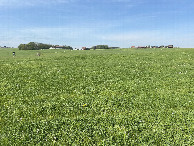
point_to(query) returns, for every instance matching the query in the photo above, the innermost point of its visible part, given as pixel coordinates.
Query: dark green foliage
(33, 46)
(93, 47)
(102, 47)
(38, 46)
(22, 47)
(43, 46)
(29, 46)
(67, 47)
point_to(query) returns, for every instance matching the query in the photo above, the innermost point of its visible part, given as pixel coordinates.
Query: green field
(101, 97)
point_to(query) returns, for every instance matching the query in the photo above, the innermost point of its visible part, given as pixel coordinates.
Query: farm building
(162, 46)
(170, 46)
(84, 48)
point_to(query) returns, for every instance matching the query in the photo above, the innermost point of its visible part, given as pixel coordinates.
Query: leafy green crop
(101, 97)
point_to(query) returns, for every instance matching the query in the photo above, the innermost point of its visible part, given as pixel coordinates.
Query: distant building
(84, 48)
(162, 46)
(170, 46)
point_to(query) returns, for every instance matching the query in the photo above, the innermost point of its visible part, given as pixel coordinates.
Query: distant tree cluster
(67, 47)
(39, 46)
(102, 47)
(33, 46)
(62, 47)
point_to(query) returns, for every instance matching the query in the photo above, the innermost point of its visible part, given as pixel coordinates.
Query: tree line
(39, 46)
(103, 47)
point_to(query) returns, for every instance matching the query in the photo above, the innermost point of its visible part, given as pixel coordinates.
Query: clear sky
(87, 23)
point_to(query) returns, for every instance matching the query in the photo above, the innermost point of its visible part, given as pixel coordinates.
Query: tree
(21, 47)
(67, 47)
(102, 47)
(32, 46)
(43, 46)
(94, 48)
(38, 46)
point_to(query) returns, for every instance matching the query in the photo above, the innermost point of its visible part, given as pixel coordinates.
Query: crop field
(97, 97)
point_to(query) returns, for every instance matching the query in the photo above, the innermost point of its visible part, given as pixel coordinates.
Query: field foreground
(101, 97)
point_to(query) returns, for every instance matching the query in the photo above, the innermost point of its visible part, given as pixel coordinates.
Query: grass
(101, 97)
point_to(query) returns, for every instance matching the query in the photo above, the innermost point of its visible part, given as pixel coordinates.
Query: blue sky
(87, 23)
